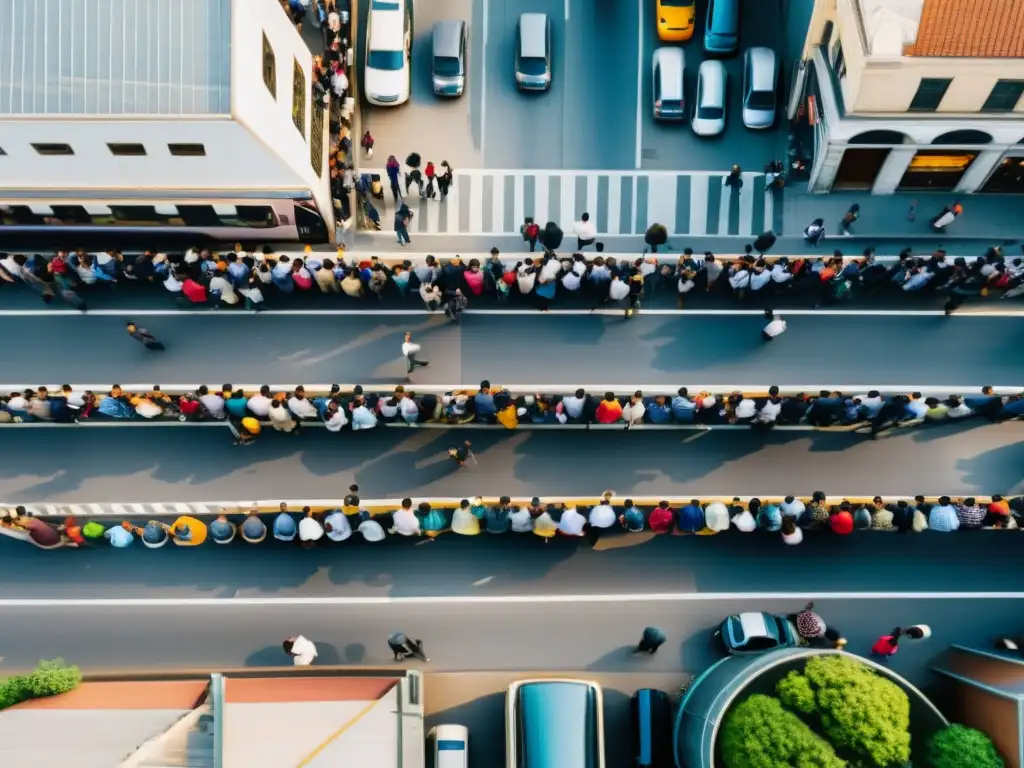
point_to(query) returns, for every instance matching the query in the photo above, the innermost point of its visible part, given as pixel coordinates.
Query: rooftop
(989, 29)
(115, 57)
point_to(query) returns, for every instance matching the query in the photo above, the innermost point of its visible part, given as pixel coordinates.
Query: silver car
(533, 52)
(449, 58)
(760, 83)
(709, 101)
(668, 66)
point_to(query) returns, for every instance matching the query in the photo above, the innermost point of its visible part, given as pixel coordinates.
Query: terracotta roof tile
(266, 690)
(141, 694)
(971, 28)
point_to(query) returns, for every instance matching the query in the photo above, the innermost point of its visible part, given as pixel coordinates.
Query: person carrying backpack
(530, 232)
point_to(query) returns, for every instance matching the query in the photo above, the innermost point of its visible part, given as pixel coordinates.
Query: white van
(448, 747)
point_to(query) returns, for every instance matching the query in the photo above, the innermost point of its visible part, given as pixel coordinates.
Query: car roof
(754, 625)
(672, 62)
(387, 30)
(712, 72)
(447, 37)
(762, 68)
(533, 35)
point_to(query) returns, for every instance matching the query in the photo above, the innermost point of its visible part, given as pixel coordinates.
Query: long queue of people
(249, 279)
(357, 409)
(789, 518)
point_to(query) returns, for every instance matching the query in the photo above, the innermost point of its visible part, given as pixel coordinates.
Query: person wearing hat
(809, 625)
(284, 527)
(337, 526)
(188, 531)
(254, 530)
(651, 640)
(918, 632)
(248, 428)
(222, 530)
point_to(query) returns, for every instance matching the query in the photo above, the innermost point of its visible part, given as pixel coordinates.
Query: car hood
(758, 116)
(705, 127)
(386, 82)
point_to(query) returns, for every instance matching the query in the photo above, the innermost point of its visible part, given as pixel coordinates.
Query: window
(299, 98)
(316, 139)
(839, 65)
(269, 67)
(127, 150)
(1004, 97)
(929, 94)
(187, 150)
(53, 149)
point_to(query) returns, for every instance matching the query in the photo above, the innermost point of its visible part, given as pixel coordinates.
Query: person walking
(918, 632)
(409, 352)
(585, 231)
(809, 625)
(143, 336)
(456, 306)
(403, 217)
(735, 178)
(530, 231)
(445, 180)
(887, 645)
(947, 216)
(302, 651)
(851, 215)
(775, 326)
(431, 176)
(815, 231)
(461, 453)
(650, 641)
(394, 170)
(402, 647)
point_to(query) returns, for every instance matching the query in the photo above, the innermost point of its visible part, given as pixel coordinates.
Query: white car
(709, 101)
(387, 76)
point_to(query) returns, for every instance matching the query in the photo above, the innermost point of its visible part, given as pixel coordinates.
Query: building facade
(108, 97)
(914, 95)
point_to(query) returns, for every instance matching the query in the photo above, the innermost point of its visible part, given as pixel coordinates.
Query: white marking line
(614, 206)
(592, 197)
(451, 204)
(670, 597)
(698, 206)
(747, 209)
(725, 194)
(483, 92)
(566, 10)
(769, 211)
(661, 201)
(518, 196)
(476, 204)
(484, 580)
(498, 203)
(531, 312)
(541, 187)
(639, 86)
(567, 204)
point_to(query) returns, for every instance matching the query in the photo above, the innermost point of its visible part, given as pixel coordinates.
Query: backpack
(842, 289)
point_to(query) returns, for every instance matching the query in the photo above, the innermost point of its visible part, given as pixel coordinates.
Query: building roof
(115, 57)
(989, 29)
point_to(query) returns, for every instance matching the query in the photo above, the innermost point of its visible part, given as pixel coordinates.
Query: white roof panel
(115, 57)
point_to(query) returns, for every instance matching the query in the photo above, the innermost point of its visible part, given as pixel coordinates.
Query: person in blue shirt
(119, 537)
(284, 525)
(769, 518)
(235, 405)
(683, 408)
(483, 403)
(115, 406)
(691, 517)
(1012, 409)
(943, 516)
(632, 519)
(496, 519)
(659, 411)
(222, 530)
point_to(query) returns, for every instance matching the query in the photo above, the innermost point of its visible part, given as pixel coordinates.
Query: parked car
(650, 713)
(668, 66)
(748, 634)
(709, 100)
(675, 19)
(388, 72)
(533, 52)
(449, 58)
(760, 83)
(722, 33)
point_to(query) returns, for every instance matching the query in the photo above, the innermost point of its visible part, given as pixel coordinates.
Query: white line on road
(483, 86)
(509, 312)
(639, 84)
(566, 10)
(670, 597)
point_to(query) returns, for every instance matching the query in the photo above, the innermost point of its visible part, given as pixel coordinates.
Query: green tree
(49, 678)
(961, 747)
(759, 733)
(863, 715)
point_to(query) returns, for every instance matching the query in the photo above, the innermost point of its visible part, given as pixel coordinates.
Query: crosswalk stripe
(519, 200)
(498, 204)
(118, 509)
(567, 203)
(747, 209)
(725, 193)
(540, 198)
(614, 205)
(451, 224)
(661, 201)
(592, 179)
(698, 205)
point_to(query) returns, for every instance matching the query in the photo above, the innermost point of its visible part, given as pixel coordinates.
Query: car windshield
(710, 113)
(533, 66)
(759, 644)
(389, 60)
(677, 3)
(761, 100)
(446, 66)
(671, 105)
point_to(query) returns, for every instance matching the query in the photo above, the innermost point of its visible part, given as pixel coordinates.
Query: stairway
(187, 745)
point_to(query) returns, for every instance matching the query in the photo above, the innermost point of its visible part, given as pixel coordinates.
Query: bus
(554, 723)
(158, 219)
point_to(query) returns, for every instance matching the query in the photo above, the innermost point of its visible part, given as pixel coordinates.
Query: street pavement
(198, 464)
(576, 635)
(534, 349)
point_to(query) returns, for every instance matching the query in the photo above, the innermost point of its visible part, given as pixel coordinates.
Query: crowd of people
(250, 279)
(289, 411)
(788, 518)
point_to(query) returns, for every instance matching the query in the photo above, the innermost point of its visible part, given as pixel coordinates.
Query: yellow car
(675, 19)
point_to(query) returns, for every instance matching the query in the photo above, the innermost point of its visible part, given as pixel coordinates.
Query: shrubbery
(48, 679)
(861, 713)
(961, 747)
(760, 733)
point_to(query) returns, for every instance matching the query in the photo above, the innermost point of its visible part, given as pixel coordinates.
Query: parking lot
(597, 113)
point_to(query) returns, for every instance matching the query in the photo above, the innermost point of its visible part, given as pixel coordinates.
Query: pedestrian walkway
(487, 202)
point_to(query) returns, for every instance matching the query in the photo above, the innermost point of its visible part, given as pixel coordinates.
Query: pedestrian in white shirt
(406, 522)
(212, 402)
(740, 280)
(222, 286)
(259, 405)
(363, 418)
(573, 404)
(572, 523)
(792, 507)
(618, 290)
(769, 411)
(635, 410)
(791, 533)
(409, 408)
(281, 418)
(409, 352)
(520, 520)
(746, 409)
(310, 530)
(780, 272)
(300, 406)
(337, 527)
(603, 515)
(526, 277)
(775, 326)
(745, 522)
(302, 651)
(334, 417)
(760, 278)
(585, 231)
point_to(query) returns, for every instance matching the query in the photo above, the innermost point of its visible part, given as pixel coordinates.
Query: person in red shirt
(662, 519)
(887, 645)
(841, 520)
(189, 406)
(193, 291)
(609, 410)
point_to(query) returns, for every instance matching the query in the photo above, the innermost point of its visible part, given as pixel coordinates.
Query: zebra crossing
(127, 511)
(495, 202)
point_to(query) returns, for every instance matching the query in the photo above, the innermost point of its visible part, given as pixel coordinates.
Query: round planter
(712, 694)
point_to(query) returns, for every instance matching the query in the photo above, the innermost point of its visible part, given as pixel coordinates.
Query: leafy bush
(861, 713)
(759, 733)
(49, 678)
(961, 747)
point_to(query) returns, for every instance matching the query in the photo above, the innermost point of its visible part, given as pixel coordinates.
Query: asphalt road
(182, 464)
(593, 636)
(533, 349)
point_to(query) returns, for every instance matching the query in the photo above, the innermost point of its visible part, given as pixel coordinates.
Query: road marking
(566, 10)
(477, 583)
(483, 91)
(541, 599)
(508, 312)
(639, 84)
